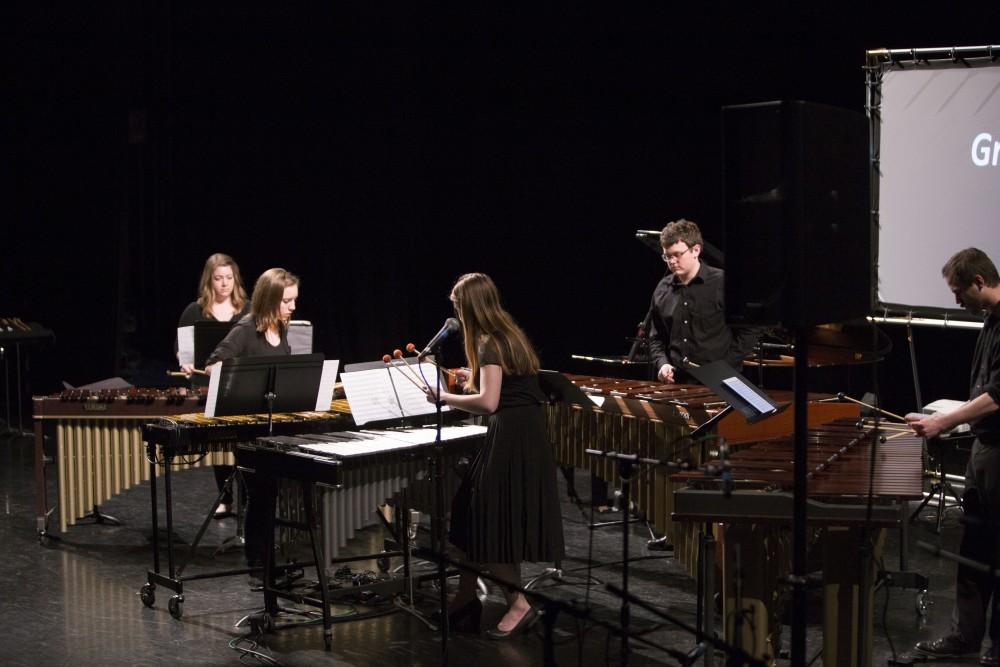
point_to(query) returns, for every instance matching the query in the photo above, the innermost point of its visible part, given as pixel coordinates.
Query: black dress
(507, 507)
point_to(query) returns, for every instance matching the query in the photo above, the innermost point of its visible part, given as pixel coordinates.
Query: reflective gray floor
(74, 601)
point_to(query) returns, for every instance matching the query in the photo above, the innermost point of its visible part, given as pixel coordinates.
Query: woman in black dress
(221, 298)
(263, 332)
(507, 509)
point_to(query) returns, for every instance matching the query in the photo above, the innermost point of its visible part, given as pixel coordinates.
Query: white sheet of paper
(385, 393)
(213, 391)
(326, 382)
(370, 395)
(185, 345)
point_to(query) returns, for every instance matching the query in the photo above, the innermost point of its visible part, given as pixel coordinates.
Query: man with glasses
(973, 279)
(689, 315)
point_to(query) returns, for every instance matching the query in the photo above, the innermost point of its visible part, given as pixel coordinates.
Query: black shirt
(689, 322)
(985, 378)
(245, 341)
(515, 390)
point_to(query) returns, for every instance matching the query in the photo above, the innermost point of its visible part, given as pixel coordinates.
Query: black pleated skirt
(507, 507)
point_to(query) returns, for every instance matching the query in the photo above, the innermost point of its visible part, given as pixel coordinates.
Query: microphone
(450, 328)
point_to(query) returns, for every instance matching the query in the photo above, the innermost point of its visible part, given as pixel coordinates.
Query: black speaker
(796, 226)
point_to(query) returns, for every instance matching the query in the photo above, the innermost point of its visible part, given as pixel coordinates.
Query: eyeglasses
(667, 256)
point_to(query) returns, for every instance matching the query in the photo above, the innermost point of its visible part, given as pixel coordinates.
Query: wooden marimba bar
(757, 515)
(98, 436)
(650, 420)
(655, 420)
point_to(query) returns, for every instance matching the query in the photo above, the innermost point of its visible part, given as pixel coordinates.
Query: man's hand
(927, 426)
(666, 374)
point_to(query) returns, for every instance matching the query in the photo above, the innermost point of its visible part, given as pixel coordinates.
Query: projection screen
(936, 126)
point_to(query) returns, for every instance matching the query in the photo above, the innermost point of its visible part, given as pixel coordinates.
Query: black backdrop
(380, 150)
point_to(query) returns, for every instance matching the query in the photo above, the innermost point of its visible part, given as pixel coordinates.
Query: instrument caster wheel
(148, 594)
(176, 606)
(923, 603)
(383, 564)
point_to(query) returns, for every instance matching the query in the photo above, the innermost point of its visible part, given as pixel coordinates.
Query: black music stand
(739, 392)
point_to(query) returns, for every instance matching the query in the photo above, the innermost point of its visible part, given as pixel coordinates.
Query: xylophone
(757, 514)
(654, 420)
(98, 435)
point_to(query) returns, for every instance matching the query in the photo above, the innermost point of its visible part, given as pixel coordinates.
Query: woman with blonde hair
(507, 509)
(221, 298)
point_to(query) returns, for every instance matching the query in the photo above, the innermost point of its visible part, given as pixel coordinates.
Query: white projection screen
(938, 179)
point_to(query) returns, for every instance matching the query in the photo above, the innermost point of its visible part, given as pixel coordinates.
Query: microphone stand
(438, 536)
(625, 471)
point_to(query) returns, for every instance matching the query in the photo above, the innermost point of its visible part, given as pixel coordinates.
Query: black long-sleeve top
(985, 378)
(245, 341)
(689, 322)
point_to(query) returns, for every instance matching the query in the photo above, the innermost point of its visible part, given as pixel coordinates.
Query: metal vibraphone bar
(366, 462)
(349, 505)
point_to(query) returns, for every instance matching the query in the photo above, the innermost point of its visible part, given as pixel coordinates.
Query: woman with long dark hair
(507, 509)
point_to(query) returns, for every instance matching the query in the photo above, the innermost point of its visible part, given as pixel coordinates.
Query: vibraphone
(757, 516)
(363, 468)
(99, 451)
(359, 470)
(654, 420)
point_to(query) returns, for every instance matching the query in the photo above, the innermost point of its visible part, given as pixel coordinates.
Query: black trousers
(262, 494)
(976, 591)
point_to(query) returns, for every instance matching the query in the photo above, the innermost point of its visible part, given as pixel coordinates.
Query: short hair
(205, 293)
(962, 268)
(267, 295)
(681, 230)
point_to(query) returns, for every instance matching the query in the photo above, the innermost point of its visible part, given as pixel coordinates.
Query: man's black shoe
(949, 646)
(992, 656)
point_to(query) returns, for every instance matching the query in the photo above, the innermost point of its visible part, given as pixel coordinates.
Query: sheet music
(370, 395)
(185, 345)
(326, 383)
(412, 399)
(213, 390)
(748, 395)
(384, 393)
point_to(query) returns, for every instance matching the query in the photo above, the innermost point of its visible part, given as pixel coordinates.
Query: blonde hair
(485, 322)
(267, 295)
(205, 293)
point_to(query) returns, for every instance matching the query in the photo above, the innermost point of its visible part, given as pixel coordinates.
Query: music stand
(739, 392)
(207, 336)
(255, 385)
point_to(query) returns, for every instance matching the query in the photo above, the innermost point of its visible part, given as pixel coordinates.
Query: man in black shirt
(689, 315)
(974, 281)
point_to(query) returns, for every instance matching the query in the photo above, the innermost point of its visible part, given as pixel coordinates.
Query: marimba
(99, 450)
(757, 514)
(654, 420)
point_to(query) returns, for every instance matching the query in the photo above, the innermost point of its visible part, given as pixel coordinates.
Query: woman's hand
(432, 395)
(462, 376)
(187, 369)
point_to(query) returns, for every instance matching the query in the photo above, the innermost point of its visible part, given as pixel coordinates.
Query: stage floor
(75, 601)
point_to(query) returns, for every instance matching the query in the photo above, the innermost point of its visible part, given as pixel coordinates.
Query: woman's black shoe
(464, 619)
(523, 625)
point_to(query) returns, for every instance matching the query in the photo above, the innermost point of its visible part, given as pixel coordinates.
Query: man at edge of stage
(972, 278)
